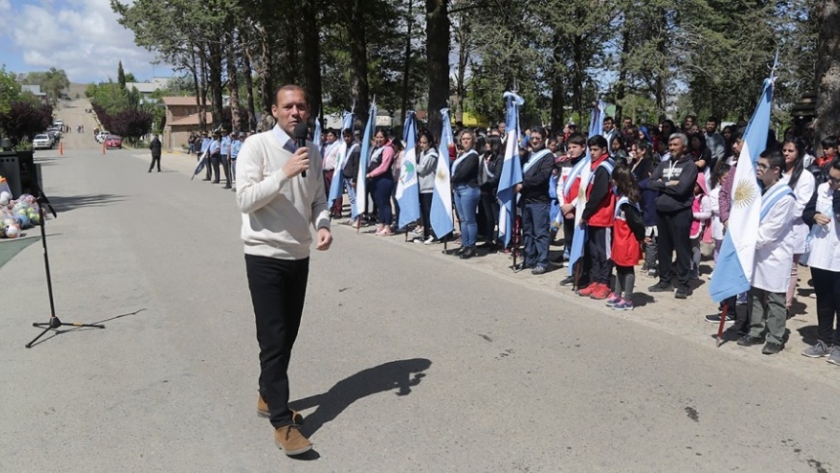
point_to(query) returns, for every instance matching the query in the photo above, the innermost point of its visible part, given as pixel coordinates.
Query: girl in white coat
(824, 258)
(803, 184)
(773, 257)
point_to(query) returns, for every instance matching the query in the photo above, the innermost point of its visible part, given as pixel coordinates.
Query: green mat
(10, 247)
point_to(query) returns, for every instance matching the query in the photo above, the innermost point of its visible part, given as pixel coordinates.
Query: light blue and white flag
(202, 162)
(408, 192)
(316, 137)
(337, 184)
(736, 260)
(441, 213)
(511, 168)
(364, 157)
(584, 170)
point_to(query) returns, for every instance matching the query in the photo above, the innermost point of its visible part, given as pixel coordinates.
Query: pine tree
(121, 76)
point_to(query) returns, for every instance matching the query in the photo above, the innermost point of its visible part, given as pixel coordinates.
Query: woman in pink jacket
(381, 181)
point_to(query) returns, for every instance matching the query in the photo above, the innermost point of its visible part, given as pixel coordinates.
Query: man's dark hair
(713, 119)
(540, 130)
(610, 119)
(577, 139)
(284, 88)
(775, 159)
(598, 141)
(829, 142)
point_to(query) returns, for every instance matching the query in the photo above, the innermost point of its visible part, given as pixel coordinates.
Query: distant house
(181, 119)
(36, 91)
(146, 89)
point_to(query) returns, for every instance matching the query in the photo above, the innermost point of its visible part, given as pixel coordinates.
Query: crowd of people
(222, 149)
(654, 196)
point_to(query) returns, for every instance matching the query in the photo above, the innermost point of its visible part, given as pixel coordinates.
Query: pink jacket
(385, 164)
(701, 208)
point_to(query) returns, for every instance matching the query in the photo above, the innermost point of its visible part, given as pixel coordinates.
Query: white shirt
(803, 192)
(825, 244)
(773, 248)
(717, 225)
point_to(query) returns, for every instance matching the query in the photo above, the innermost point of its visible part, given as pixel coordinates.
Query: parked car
(42, 141)
(113, 141)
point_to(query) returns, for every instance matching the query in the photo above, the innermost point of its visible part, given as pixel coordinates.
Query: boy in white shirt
(773, 257)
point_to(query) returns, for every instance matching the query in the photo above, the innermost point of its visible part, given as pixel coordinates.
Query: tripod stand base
(54, 324)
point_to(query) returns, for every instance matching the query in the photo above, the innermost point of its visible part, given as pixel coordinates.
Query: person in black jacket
(350, 170)
(536, 202)
(489, 183)
(674, 179)
(155, 146)
(464, 182)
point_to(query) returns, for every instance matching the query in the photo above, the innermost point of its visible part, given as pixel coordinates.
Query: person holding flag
(407, 195)
(465, 186)
(536, 203)
(426, 166)
(382, 181)
(773, 257)
(349, 171)
(440, 215)
(332, 148)
(597, 219)
(511, 174)
(568, 195)
(362, 169)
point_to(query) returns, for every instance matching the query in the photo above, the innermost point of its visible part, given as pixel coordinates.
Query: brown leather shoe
(262, 411)
(289, 439)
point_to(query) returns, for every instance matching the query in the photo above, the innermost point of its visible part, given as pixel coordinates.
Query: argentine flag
(736, 260)
(337, 184)
(408, 194)
(361, 179)
(441, 213)
(316, 138)
(511, 168)
(584, 170)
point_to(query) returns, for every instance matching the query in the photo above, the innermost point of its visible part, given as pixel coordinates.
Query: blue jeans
(535, 222)
(351, 195)
(466, 201)
(382, 187)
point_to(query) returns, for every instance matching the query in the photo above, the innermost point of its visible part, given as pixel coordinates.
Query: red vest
(605, 214)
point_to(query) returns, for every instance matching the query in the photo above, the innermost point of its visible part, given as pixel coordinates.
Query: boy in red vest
(599, 216)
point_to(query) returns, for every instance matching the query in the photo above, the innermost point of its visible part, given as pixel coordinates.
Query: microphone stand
(54, 322)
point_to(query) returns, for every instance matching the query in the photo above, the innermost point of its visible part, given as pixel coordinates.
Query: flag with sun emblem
(407, 194)
(734, 269)
(440, 215)
(511, 168)
(584, 170)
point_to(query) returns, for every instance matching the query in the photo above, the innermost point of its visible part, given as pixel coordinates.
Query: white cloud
(5, 8)
(80, 36)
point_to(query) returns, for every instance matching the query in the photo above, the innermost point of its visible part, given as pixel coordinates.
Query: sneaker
(652, 273)
(538, 270)
(624, 304)
(834, 357)
(568, 281)
(819, 350)
(682, 293)
(660, 288)
(429, 240)
(613, 299)
(748, 341)
(771, 348)
(601, 292)
(715, 319)
(291, 441)
(588, 290)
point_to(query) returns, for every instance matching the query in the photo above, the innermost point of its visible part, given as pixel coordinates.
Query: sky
(80, 36)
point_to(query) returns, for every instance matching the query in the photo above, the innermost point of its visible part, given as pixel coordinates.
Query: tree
(10, 89)
(437, 55)
(25, 120)
(52, 82)
(121, 76)
(131, 124)
(828, 68)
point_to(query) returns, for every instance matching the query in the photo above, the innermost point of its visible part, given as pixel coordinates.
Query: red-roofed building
(182, 119)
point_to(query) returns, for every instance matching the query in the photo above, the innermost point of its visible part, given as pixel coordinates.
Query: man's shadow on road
(395, 375)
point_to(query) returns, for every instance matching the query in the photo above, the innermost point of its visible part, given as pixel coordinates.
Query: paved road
(407, 361)
(73, 113)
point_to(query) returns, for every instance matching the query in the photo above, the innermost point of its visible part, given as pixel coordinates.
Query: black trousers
(491, 212)
(598, 242)
(278, 291)
(155, 159)
(827, 289)
(674, 230)
(425, 213)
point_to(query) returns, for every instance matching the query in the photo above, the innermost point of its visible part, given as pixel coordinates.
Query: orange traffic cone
(60, 148)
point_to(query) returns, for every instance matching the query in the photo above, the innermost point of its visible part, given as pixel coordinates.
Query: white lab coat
(805, 187)
(773, 248)
(825, 244)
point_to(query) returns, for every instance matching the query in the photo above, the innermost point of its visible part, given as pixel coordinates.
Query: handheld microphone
(301, 131)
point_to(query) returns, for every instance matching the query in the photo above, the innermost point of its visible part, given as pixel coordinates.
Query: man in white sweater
(278, 205)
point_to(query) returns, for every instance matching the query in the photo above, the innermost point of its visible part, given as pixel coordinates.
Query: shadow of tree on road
(67, 203)
(395, 375)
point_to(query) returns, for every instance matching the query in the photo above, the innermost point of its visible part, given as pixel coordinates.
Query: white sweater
(276, 210)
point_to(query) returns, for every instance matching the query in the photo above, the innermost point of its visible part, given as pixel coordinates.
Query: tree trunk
(249, 82)
(464, 52)
(233, 83)
(266, 86)
(312, 55)
(828, 69)
(437, 56)
(558, 98)
(359, 88)
(407, 66)
(621, 87)
(291, 47)
(662, 48)
(202, 108)
(202, 120)
(214, 65)
(577, 76)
